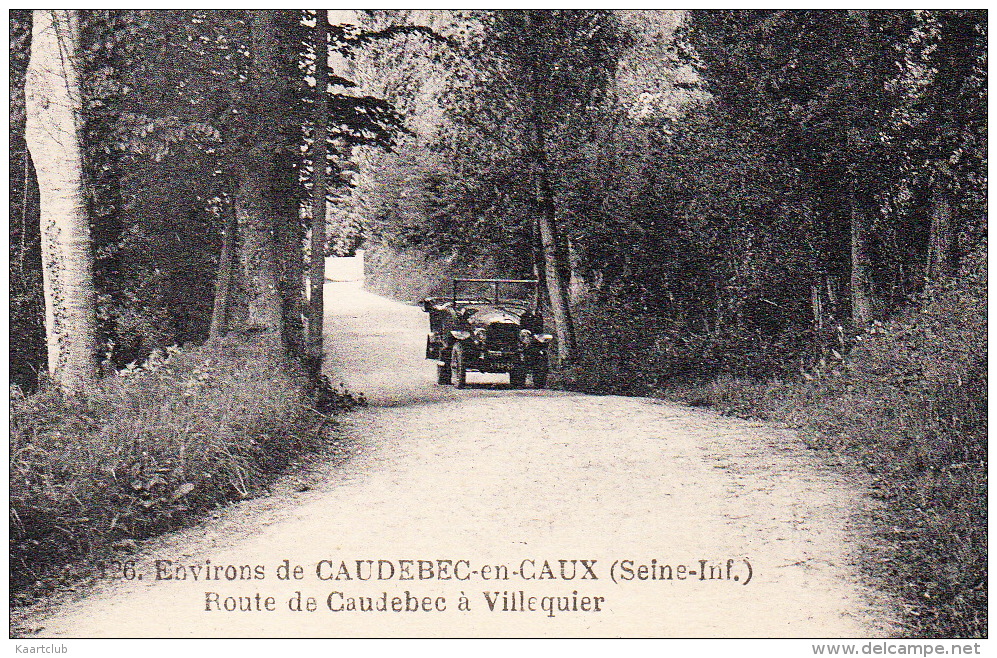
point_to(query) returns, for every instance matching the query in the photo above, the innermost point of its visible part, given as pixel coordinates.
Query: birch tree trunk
(316, 271)
(52, 132)
(254, 207)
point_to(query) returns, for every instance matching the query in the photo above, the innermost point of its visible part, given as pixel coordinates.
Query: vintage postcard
(499, 324)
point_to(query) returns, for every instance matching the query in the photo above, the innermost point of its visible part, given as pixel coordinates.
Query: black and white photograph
(518, 323)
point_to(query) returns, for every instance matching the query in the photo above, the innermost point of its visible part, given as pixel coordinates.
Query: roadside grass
(909, 402)
(148, 450)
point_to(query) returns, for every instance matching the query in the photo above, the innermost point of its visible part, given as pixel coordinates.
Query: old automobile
(487, 325)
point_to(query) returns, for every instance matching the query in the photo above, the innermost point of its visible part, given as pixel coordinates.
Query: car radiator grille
(502, 336)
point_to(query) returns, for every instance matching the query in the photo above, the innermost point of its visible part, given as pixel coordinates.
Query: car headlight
(479, 334)
(525, 335)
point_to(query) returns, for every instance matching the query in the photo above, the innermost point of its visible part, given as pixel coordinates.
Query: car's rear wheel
(458, 368)
(517, 378)
(443, 373)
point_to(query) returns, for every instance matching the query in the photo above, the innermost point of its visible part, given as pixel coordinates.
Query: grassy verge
(909, 401)
(146, 451)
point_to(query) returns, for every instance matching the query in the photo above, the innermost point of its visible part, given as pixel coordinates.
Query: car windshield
(495, 291)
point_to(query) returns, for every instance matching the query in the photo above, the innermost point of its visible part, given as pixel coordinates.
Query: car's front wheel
(443, 373)
(458, 368)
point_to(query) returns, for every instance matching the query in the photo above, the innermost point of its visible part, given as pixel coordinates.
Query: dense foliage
(710, 201)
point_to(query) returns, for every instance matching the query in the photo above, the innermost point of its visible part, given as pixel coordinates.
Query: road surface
(674, 522)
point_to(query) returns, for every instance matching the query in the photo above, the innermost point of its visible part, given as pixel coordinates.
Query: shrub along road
(492, 488)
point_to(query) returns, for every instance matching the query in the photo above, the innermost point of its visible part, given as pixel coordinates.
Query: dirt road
(493, 487)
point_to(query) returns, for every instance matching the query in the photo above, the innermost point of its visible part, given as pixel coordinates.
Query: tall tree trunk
(226, 273)
(254, 207)
(539, 269)
(52, 132)
(290, 242)
(940, 261)
(255, 219)
(316, 271)
(861, 281)
(554, 279)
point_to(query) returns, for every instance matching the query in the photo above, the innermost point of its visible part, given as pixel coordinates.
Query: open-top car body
(488, 325)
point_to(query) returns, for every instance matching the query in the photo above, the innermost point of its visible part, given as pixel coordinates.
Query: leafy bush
(631, 350)
(148, 450)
